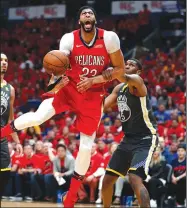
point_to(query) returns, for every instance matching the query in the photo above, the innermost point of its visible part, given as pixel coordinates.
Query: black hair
(61, 145)
(86, 7)
(182, 145)
(138, 63)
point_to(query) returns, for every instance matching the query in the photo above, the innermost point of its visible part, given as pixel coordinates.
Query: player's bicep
(135, 81)
(66, 43)
(142, 90)
(117, 59)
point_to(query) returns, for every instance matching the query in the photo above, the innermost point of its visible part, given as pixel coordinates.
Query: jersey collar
(93, 40)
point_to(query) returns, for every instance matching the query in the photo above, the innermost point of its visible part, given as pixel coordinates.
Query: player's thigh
(89, 117)
(142, 158)
(119, 163)
(67, 98)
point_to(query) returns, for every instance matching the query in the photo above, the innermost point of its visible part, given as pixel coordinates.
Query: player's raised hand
(84, 84)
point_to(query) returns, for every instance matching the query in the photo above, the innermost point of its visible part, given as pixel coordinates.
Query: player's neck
(88, 37)
(2, 78)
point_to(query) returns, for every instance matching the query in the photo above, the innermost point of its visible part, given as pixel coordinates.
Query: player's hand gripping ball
(55, 62)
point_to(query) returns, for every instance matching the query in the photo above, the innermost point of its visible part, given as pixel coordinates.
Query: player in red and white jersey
(91, 50)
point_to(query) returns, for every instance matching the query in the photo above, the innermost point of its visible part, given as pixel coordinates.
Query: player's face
(87, 20)
(131, 67)
(4, 63)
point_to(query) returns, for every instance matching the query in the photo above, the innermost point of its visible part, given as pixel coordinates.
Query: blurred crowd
(50, 149)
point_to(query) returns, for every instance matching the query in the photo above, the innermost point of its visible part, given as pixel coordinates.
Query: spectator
(173, 151)
(163, 98)
(175, 132)
(95, 171)
(30, 136)
(156, 177)
(102, 147)
(29, 164)
(39, 148)
(165, 150)
(161, 114)
(63, 167)
(178, 186)
(39, 181)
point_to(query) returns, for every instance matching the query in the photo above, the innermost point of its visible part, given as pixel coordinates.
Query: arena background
(156, 36)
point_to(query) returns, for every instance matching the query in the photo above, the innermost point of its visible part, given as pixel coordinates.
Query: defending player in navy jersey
(7, 115)
(134, 153)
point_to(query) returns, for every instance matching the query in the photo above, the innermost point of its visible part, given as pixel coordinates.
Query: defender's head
(133, 66)
(87, 18)
(4, 63)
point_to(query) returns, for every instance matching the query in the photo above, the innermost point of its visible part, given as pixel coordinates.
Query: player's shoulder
(12, 89)
(118, 87)
(108, 34)
(68, 35)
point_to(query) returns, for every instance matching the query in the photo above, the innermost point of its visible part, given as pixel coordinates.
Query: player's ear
(79, 22)
(138, 72)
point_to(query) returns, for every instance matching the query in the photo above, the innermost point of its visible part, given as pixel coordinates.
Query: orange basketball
(55, 62)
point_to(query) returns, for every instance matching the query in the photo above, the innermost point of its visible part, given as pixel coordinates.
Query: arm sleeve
(55, 168)
(66, 43)
(112, 42)
(99, 172)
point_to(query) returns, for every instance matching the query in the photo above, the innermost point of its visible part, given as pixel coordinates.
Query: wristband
(107, 74)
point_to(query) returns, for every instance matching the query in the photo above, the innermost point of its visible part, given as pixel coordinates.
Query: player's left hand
(84, 84)
(19, 149)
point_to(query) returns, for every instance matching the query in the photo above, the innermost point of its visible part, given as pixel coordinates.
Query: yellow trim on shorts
(5, 169)
(114, 171)
(132, 169)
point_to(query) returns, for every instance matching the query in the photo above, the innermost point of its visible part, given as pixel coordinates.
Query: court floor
(43, 204)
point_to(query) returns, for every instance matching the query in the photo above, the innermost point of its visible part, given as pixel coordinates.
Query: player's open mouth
(88, 25)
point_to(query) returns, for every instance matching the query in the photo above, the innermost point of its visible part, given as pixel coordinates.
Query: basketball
(55, 62)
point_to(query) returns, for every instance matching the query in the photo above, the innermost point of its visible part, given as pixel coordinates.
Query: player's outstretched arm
(111, 100)
(135, 81)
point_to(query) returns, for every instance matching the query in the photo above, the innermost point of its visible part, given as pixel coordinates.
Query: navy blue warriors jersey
(135, 113)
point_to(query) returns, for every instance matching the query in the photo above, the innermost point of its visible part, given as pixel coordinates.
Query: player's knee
(86, 142)
(108, 181)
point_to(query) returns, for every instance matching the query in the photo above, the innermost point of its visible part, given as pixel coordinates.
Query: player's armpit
(111, 100)
(135, 81)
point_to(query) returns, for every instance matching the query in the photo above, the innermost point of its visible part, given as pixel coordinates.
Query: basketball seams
(58, 58)
(53, 65)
